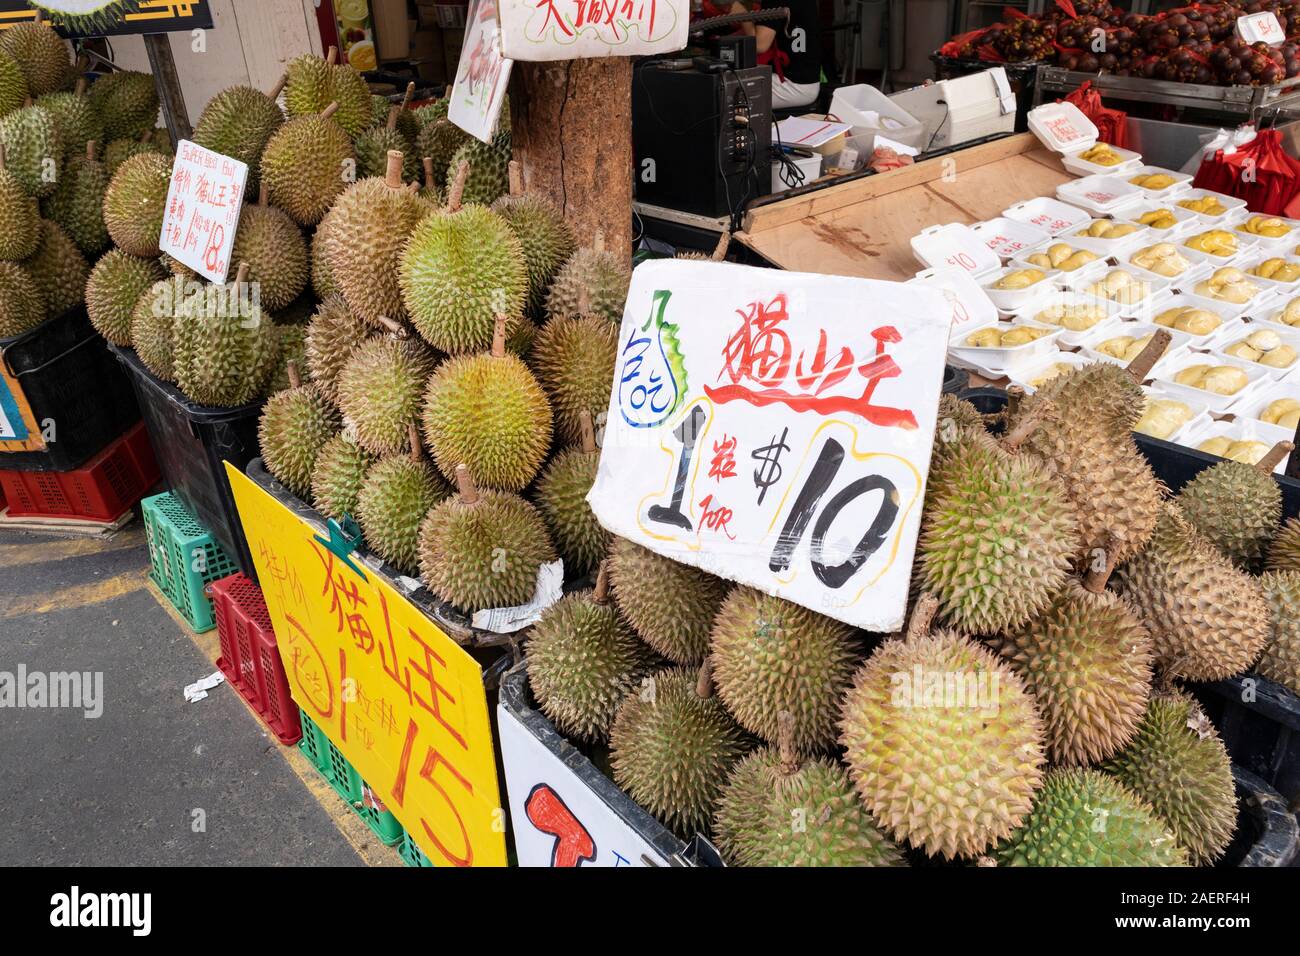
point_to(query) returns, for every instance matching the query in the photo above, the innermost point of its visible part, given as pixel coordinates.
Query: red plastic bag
(1259, 172)
(1112, 125)
(953, 47)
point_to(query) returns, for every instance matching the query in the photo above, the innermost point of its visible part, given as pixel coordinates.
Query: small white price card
(203, 206)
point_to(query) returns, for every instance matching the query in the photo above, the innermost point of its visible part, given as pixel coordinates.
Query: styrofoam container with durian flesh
(1220, 381)
(1005, 346)
(1270, 232)
(1016, 284)
(1243, 439)
(1280, 312)
(1216, 245)
(1060, 255)
(1125, 288)
(1077, 315)
(1124, 342)
(1276, 404)
(1276, 272)
(1198, 319)
(1162, 222)
(1210, 206)
(1053, 365)
(1229, 286)
(1168, 416)
(1167, 261)
(1107, 237)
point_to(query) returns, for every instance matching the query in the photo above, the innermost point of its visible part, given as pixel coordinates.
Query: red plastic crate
(103, 489)
(249, 656)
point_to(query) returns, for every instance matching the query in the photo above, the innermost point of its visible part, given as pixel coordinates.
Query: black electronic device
(701, 139)
(738, 51)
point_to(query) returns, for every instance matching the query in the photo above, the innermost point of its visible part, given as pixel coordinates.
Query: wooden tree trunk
(571, 127)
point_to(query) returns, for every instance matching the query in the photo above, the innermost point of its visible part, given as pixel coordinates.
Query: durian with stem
(295, 424)
(1237, 507)
(394, 498)
(562, 499)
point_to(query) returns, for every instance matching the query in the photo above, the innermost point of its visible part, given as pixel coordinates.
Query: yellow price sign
(403, 702)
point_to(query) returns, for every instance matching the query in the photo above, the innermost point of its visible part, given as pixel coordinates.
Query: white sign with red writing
(573, 29)
(204, 201)
(1258, 27)
(774, 428)
(954, 245)
(482, 76)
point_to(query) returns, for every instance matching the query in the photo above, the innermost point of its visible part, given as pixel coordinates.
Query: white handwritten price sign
(1257, 27)
(573, 29)
(483, 75)
(204, 201)
(774, 428)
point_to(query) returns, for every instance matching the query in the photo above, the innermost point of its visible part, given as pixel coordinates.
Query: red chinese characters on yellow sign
(402, 701)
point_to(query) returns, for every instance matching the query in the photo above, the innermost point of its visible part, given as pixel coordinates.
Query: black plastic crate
(192, 442)
(69, 377)
(1266, 828)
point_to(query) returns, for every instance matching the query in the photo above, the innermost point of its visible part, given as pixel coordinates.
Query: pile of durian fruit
(1036, 712)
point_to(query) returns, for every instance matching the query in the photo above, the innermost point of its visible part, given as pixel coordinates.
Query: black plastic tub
(192, 442)
(1266, 829)
(70, 379)
(1260, 724)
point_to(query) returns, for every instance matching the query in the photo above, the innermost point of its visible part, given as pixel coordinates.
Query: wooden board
(65, 527)
(864, 228)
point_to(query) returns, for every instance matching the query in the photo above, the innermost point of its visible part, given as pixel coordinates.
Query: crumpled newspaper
(199, 689)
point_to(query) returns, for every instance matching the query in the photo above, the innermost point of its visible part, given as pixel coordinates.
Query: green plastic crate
(343, 777)
(184, 559)
(410, 852)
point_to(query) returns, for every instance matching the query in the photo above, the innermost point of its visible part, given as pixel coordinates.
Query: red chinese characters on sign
(612, 15)
(760, 367)
(204, 200)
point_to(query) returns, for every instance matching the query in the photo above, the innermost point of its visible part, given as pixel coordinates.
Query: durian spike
(92, 147)
(330, 110)
(704, 683)
(601, 595)
(516, 178)
(291, 369)
(393, 174)
(499, 336)
(1015, 395)
(279, 87)
(394, 111)
(333, 56)
(588, 429)
(465, 484)
(80, 88)
(785, 743)
(264, 195)
(408, 95)
(927, 605)
(584, 301)
(428, 171)
(393, 326)
(1274, 455)
(1095, 580)
(413, 436)
(457, 190)
(724, 243)
(1147, 358)
(1012, 441)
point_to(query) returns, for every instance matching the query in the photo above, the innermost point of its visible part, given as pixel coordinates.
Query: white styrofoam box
(1186, 220)
(1239, 217)
(1008, 300)
(1264, 396)
(1025, 377)
(1182, 182)
(871, 113)
(1076, 164)
(1231, 204)
(1034, 311)
(1194, 270)
(1108, 247)
(1245, 248)
(1217, 404)
(1232, 335)
(1178, 341)
(954, 245)
(1241, 429)
(971, 307)
(1043, 247)
(1269, 314)
(1009, 237)
(1103, 195)
(1259, 256)
(1051, 215)
(1171, 299)
(1263, 292)
(1128, 306)
(959, 110)
(1012, 358)
(1062, 127)
(1200, 413)
(810, 166)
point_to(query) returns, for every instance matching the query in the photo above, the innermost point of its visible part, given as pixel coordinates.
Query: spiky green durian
(942, 741)
(1087, 660)
(292, 351)
(394, 499)
(672, 745)
(997, 537)
(1236, 507)
(1280, 661)
(306, 165)
(430, 113)
(77, 204)
(488, 178)
(322, 281)
(42, 55)
(487, 412)
(341, 467)
(374, 144)
(364, 235)
(295, 425)
(461, 269)
(33, 151)
(1087, 818)
(20, 217)
(115, 286)
(275, 250)
(407, 123)
(238, 122)
(13, 85)
(1284, 551)
(379, 391)
(136, 202)
(574, 358)
(89, 17)
(118, 151)
(58, 269)
(592, 280)
(439, 140)
(778, 810)
(152, 322)
(582, 661)
(126, 103)
(1113, 397)
(1208, 620)
(1178, 765)
(21, 305)
(483, 549)
(562, 499)
(677, 629)
(312, 84)
(225, 348)
(545, 238)
(332, 335)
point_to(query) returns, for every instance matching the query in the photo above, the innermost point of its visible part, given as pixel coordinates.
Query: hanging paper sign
(535, 30)
(204, 201)
(482, 76)
(774, 428)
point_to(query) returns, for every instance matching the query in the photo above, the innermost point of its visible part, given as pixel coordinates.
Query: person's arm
(765, 37)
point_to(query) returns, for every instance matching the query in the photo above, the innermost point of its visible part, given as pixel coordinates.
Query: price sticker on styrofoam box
(204, 201)
(1257, 27)
(971, 306)
(954, 246)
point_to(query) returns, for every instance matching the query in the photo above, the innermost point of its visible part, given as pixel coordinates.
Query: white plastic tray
(1009, 300)
(1241, 429)
(1007, 359)
(1234, 334)
(1178, 341)
(1103, 195)
(1182, 182)
(1050, 215)
(1033, 310)
(1008, 238)
(1200, 414)
(1216, 404)
(1231, 204)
